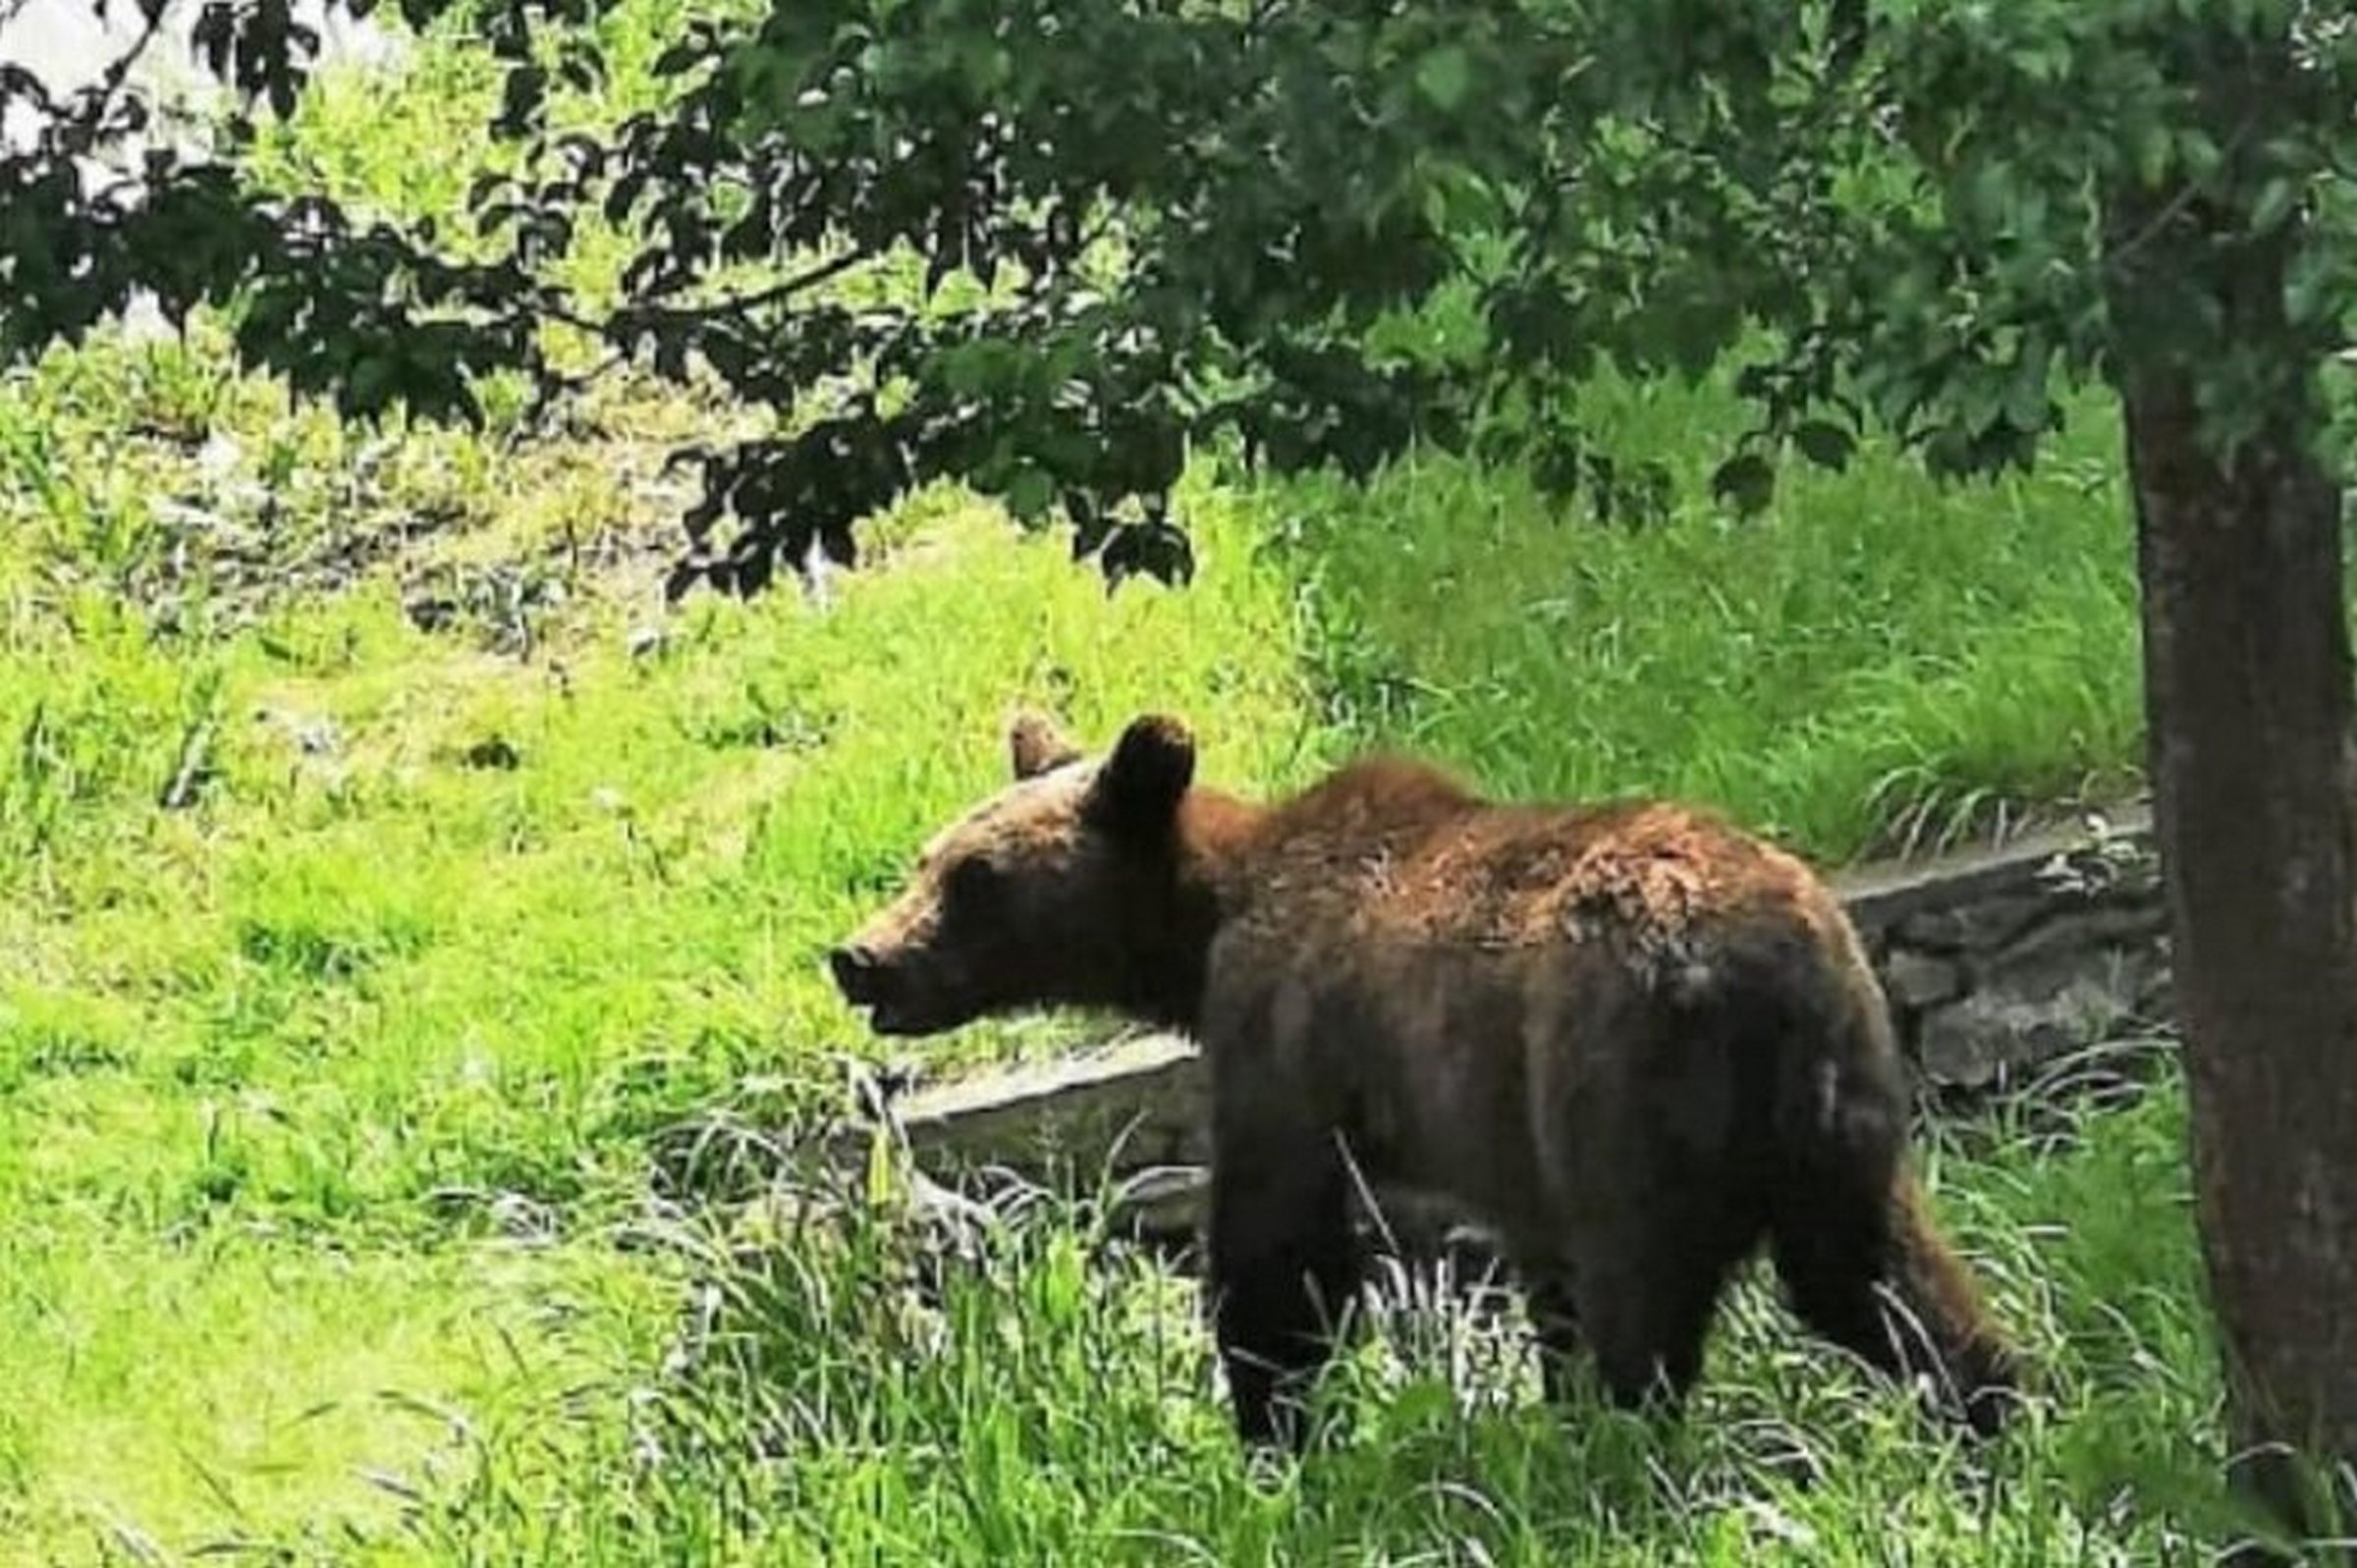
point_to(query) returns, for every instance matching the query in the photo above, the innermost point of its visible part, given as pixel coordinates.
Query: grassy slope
(265, 1056)
(323, 1101)
(1878, 662)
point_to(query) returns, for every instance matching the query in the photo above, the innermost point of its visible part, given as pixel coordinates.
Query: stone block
(2032, 1013)
(1914, 980)
(1976, 926)
(1137, 1102)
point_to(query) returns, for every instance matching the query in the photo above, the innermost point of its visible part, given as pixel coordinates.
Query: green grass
(158, 1379)
(330, 1092)
(1876, 664)
(1051, 1402)
(365, 994)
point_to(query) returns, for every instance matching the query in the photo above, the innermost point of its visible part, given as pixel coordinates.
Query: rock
(429, 612)
(1973, 927)
(1916, 980)
(2030, 1013)
(2074, 926)
(1140, 1102)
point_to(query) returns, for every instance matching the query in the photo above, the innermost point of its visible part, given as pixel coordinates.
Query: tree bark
(2253, 761)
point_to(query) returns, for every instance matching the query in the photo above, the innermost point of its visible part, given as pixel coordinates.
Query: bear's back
(1432, 971)
(1387, 852)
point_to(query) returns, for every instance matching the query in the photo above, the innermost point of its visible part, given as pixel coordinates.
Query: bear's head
(1061, 889)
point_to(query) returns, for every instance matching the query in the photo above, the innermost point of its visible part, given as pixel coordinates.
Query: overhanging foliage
(1152, 226)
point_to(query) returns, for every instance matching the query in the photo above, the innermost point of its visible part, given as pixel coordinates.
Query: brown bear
(1633, 1039)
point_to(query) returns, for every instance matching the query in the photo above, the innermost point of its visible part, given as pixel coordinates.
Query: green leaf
(2043, 57)
(371, 381)
(2152, 152)
(1029, 495)
(2197, 152)
(883, 1184)
(1445, 75)
(2273, 205)
(1746, 482)
(2025, 394)
(1825, 444)
(1979, 400)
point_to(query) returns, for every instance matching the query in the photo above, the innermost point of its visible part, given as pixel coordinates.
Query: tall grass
(846, 1396)
(1878, 662)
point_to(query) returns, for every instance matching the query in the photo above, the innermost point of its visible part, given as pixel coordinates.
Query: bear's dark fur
(1635, 1041)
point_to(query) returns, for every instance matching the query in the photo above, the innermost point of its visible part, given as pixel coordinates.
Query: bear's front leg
(1284, 1264)
(1552, 1301)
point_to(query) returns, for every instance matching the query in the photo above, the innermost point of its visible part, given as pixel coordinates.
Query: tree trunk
(2253, 760)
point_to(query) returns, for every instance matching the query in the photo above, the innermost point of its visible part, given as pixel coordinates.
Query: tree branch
(557, 386)
(778, 294)
(117, 73)
(2174, 207)
(733, 304)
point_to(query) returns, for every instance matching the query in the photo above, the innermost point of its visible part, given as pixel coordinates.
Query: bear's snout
(902, 993)
(856, 970)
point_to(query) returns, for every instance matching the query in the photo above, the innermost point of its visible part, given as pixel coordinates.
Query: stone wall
(1993, 962)
(1996, 961)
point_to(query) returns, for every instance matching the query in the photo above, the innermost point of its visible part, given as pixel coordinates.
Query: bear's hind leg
(1866, 1269)
(1553, 1304)
(1647, 1288)
(1284, 1269)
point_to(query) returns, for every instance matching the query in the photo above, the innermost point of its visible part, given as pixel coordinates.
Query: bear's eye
(975, 880)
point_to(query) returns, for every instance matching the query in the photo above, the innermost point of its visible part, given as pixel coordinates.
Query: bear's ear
(1035, 744)
(1139, 786)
